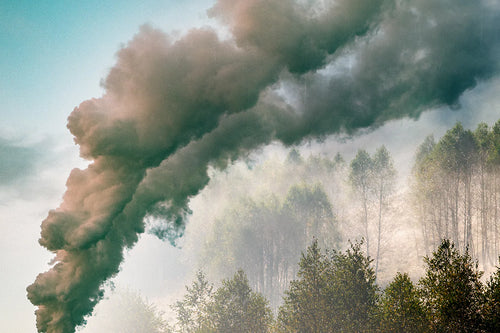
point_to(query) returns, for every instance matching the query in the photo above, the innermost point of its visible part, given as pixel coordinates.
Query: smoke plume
(172, 108)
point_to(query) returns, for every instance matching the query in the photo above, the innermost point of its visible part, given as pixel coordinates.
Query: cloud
(16, 161)
(172, 108)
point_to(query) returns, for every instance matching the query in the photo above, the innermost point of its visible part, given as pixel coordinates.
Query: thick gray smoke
(172, 108)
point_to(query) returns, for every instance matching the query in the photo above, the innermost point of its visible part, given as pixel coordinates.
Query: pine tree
(334, 292)
(452, 290)
(238, 309)
(352, 291)
(400, 308)
(305, 306)
(492, 302)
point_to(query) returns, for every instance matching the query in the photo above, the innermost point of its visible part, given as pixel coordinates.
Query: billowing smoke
(172, 108)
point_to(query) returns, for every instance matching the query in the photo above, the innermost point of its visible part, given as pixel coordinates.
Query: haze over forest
(244, 141)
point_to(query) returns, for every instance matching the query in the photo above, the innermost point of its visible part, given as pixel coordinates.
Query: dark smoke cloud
(172, 108)
(422, 54)
(285, 31)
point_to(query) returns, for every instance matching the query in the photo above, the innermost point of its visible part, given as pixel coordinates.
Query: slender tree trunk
(496, 215)
(447, 212)
(423, 219)
(380, 203)
(454, 216)
(468, 193)
(484, 233)
(365, 221)
(439, 207)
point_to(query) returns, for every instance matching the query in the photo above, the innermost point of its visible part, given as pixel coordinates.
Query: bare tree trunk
(468, 193)
(380, 203)
(365, 221)
(496, 215)
(454, 215)
(423, 219)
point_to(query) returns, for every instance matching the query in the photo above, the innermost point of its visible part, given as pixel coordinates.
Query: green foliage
(452, 290)
(305, 307)
(400, 308)
(192, 310)
(361, 172)
(236, 308)
(233, 307)
(334, 292)
(425, 149)
(353, 291)
(495, 144)
(484, 141)
(384, 171)
(457, 149)
(492, 302)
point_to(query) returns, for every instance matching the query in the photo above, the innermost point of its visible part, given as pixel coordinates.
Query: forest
(452, 192)
(322, 244)
(335, 291)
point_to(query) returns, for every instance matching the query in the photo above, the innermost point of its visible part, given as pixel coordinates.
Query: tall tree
(305, 307)
(360, 177)
(425, 195)
(334, 292)
(384, 175)
(492, 307)
(352, 290)
(447, 175)
(452, 290)
(192, 310)
(456, 150)
(495, 166)
(236, 308)
(400, 308)
(484, 143)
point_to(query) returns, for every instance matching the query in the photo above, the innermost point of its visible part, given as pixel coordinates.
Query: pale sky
(54, 55)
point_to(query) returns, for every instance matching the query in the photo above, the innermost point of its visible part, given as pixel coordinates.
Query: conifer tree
(452, 290)
(400, 308)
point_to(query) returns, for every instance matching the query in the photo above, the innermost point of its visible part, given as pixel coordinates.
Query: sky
(184, 95)
(53, 56)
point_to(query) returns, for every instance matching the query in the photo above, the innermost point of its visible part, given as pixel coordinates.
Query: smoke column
(172, 108)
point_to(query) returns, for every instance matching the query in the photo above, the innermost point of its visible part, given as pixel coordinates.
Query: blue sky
(54, 53)
(53, 56)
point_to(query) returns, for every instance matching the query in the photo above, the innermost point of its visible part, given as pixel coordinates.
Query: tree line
(456, 190)
(336, 291)
(264, 234)
(454, 194)
(265, 238)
